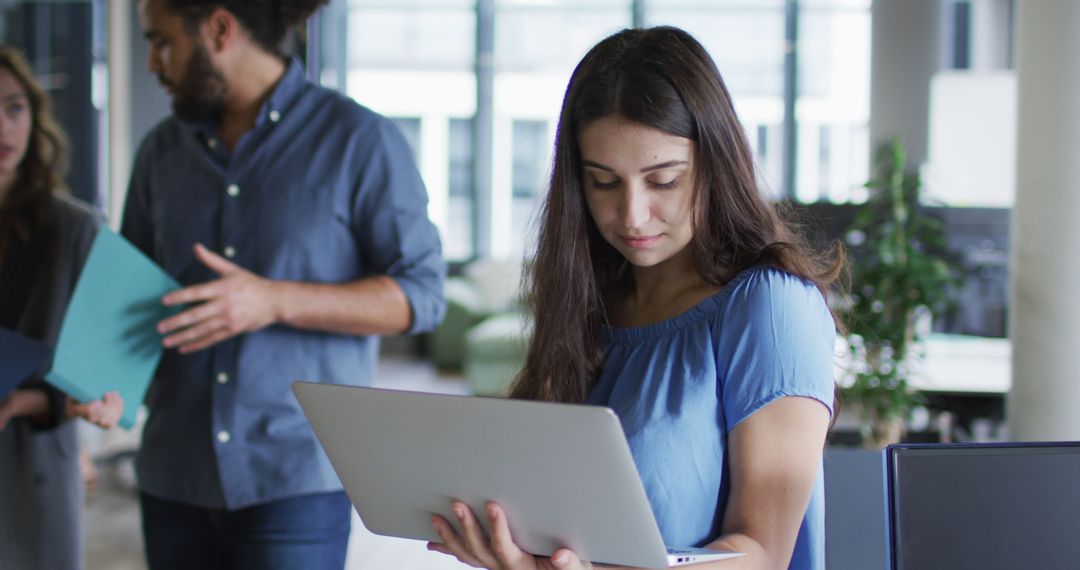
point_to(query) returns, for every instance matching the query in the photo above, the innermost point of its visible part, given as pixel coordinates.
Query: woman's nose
(635, 207)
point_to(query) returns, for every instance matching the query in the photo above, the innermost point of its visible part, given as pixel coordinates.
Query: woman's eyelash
(658, 185)
(666, 185)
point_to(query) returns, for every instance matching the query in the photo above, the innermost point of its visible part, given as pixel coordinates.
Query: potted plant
(900, 278)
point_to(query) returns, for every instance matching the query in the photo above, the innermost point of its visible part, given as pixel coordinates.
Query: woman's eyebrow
(13, 97)
(662, 165)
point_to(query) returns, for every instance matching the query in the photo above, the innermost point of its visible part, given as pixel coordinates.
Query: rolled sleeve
(391, 220)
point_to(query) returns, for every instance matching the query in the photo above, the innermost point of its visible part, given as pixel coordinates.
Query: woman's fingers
(502, 544)
(113, 404)
(473, 547)
(473, 535)
(568, 560)
(104, 413)
(451, 543)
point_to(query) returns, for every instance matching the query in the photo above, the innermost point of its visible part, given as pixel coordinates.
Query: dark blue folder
(19, 358)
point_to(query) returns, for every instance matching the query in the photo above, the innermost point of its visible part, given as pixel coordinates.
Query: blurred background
(476, 86)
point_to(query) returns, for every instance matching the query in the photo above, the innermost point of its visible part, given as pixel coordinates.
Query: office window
(531, 152)
(412, 34)
(410, 129)
(824, 161)
(552, 36)
(833, 105)
(414, 59)
(457, 240)
(767, 141)
(65, 45)
(746, 40)
(530, 147)
(417, 59)
(537, 46)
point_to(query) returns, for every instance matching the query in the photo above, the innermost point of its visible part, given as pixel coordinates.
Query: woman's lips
(639, 242)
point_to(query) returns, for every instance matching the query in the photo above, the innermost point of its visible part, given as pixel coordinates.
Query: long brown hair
(662, 78)
(27, 208)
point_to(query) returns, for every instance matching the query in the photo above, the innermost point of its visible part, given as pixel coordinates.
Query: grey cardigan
(41, 490)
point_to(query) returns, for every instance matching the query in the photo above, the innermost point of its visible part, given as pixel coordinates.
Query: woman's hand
(499, 552)
(23, 402)
(104, 413)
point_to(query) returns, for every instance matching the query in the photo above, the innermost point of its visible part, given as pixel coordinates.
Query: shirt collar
(285, 92)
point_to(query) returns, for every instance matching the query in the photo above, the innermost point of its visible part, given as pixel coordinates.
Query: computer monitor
(985, 506)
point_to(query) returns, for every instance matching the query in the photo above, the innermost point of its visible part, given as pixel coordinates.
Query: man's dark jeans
(311, 531)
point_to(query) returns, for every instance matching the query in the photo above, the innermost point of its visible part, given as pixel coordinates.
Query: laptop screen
(984, 506)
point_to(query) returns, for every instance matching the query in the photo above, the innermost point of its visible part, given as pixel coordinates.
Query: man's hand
(238, 302)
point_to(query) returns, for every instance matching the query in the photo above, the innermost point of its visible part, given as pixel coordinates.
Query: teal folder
(109, 339)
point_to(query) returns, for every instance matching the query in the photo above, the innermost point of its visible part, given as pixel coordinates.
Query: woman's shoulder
(766, 286)
(72, 212)
(753, 293)
(769, 301)
(77, 223)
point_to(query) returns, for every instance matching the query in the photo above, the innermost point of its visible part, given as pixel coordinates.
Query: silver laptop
(563, 473)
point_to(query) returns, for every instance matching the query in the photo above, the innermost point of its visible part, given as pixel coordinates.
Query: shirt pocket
(305, 231)
(185, 209)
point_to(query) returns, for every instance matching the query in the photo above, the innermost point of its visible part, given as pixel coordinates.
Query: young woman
(45, 237)
(667, 288)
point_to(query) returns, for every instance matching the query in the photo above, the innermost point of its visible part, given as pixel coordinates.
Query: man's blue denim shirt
(320, 190)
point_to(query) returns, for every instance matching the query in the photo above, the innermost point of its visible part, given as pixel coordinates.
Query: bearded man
(297, 223)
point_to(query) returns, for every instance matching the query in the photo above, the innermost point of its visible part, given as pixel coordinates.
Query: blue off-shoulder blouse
(681, 385)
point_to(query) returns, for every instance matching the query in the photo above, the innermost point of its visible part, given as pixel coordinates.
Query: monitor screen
(984, 506)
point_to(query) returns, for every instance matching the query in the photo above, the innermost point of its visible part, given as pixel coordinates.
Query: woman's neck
(662, 291)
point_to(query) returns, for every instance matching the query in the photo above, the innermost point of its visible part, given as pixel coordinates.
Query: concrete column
(906, 52)
(136, 101)
(149, 102)
(120, 145)
(484, 212)
(1045, 265)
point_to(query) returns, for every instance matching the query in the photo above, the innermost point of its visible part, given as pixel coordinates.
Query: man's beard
(199, 94)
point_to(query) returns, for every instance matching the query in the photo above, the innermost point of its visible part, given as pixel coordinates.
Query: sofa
(484, 334)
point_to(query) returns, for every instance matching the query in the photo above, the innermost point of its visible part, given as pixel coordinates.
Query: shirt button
(275, 116)
(230, 251)
(233, 190)
(212, 143)
(222, 378)
(223, 436)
